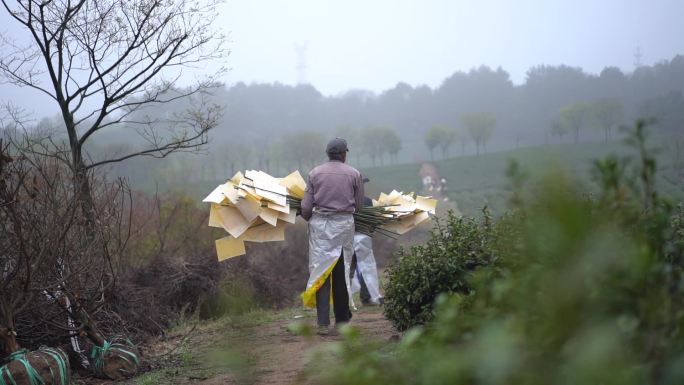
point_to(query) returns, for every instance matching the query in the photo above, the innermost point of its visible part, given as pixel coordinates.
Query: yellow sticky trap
(264, 233)
(295, 184)
(232, 220)
(249, 207)
(267, 187)
(237, 178)
(215, 196)
(215, 216)
(229, 247)
(260, 176)
(420, 218)
(277, 207)
(394, 197)
(230, 192)
(402, 203)
(272, 192)
(245, 190)
(269, 216)
(401, 227)
(289, 217)
(426, 204)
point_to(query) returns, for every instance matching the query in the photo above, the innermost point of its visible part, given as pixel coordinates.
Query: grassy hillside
(476, 181)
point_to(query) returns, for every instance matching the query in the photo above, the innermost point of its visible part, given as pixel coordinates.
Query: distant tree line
(483, 106)
(528, 110)
(279, 127)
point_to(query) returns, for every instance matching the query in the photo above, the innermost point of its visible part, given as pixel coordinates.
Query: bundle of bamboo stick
(255, 206)
(391, 215)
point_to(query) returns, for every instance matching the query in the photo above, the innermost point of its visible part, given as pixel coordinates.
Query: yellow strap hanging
(309, 295)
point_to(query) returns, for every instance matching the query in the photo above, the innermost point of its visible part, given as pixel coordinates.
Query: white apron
(329, 235)
(365, 264)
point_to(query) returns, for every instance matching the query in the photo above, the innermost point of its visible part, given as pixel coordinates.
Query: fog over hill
(277, 127)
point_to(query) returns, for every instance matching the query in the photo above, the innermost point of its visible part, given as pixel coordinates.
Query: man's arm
(307, 202)
(359, 193)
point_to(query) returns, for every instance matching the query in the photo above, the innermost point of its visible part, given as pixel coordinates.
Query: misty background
(409, 81)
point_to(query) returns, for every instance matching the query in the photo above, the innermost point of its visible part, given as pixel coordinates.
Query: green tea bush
(583, 291)
(442, 265)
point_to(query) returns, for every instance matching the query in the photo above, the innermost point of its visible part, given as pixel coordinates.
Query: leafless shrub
(58, 269)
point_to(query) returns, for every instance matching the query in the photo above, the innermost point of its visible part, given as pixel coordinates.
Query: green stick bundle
(367, 221)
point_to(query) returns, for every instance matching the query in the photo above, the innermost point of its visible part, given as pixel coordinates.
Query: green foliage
(152, 378)
(376, 141)
(364, 361)
(443, 264)
(355, 141)
(559, 127)
(678, 231)
(576, 116)
(608, 113)
(440, 136)
(170, 225)
(667, 108)
(304, 148)
(235, 296)
(583, 291)
(480, 126)
(393, 144)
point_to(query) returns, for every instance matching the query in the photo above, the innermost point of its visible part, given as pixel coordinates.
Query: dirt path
(280, 356)
(258, 348)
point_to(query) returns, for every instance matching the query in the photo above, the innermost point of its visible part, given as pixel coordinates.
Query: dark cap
(336, 146)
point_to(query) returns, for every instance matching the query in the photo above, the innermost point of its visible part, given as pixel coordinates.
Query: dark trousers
(365, 295)
(340, 297)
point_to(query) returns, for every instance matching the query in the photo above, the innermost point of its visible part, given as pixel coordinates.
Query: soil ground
(256, 348)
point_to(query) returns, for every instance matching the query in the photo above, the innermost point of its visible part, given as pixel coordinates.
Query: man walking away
(364, 270)
(333, 193)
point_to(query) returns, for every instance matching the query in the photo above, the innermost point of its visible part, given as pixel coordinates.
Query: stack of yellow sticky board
(408, 210)
(253, 207)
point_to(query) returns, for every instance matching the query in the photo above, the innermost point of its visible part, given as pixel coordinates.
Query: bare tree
(56, 275)
(46, 252)
(103, 62)
(35, 218)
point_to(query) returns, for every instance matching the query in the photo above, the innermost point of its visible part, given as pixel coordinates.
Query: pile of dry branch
(58, 269)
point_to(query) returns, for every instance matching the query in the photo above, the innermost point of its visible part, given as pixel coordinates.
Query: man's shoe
(323, 330)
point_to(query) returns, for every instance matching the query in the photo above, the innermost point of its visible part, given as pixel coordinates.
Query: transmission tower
(638, 57)
(301, 62)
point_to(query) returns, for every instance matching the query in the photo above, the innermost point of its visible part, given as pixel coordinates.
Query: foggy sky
(373, 44)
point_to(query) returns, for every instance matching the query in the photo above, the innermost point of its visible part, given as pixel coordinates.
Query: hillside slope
(476, 181)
